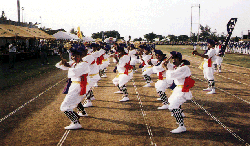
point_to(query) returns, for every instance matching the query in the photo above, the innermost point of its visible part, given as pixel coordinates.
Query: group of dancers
(89, 62)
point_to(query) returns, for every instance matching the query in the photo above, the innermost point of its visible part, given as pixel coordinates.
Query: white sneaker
(219, 70)
(82, 115)
(124, 99)
(208, 89)
(118, 92)
(73, 126)
(104, 76)
(92, 98)
(147, 85)
(165, 106)
(180, 129)
(159, 99)
(211, 92)
(96, 85)
(88, 104)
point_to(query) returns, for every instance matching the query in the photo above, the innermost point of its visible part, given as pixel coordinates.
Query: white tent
(61, 35)
(74, 37)
(88, 39)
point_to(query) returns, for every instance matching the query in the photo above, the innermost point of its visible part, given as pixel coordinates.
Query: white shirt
(12, 48)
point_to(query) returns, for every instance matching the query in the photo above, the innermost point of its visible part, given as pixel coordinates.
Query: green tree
(183, 38)
(160, 37)
(150, 36)
(172, 38)
(205, 32)
(193, 37)
(73, 31)
(222, 37)
(106, 34)
(138, 39)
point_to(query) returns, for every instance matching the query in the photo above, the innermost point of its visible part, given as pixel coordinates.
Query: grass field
(234, 59)
(29, 69)
(25, 70)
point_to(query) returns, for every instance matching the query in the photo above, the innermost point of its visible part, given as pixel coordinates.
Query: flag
(79, 34)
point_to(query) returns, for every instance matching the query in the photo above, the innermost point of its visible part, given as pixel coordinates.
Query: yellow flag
(79, 34)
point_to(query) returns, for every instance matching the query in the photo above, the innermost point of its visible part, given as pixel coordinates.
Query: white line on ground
(226, 91)
(226, 69)
(13, 112)
(144, 115)
(220, 123)
(66, 133)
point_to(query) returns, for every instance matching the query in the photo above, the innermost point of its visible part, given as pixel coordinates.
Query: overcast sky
(132, 17)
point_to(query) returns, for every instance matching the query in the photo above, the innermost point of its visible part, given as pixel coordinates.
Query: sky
(133, 17)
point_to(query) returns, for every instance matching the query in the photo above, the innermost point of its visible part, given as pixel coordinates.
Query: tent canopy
(23, 32)
(6, 34)
(61, 35)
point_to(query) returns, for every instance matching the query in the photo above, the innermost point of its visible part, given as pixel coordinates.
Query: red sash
(143, 63)
(93, 62)
(128, 67)
(160, 77)
(83, 84)
(99, 60)
(209, 62)
(188, 83)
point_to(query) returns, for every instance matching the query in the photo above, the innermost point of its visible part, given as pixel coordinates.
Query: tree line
(205, 33)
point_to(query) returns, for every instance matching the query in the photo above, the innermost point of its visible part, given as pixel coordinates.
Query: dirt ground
(219, 119)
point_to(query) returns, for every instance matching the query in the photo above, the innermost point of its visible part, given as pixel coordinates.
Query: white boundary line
(220, 123)
(66, 133)
(223, 68)
(224, 76)
(225, 91)
(13, 112)
(144, 115)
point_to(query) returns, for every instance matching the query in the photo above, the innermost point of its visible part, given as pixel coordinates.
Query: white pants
(178, 97)
(72, 99)
(122, 79)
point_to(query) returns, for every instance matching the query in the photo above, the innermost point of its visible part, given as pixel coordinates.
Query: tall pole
(199, 24)
(196, 5)
(191, 25)
(22, 13)
(18, 10)
(41, 22)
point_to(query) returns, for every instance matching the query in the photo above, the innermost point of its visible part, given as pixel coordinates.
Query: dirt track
(111, 122)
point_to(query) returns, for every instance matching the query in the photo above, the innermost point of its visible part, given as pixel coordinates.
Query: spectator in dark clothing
(12, 55)
(43, 53)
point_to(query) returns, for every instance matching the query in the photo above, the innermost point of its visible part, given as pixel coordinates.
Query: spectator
(12, 55)
(43, 53)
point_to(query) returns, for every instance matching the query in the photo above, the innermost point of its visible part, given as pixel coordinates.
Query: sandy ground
(210, 119)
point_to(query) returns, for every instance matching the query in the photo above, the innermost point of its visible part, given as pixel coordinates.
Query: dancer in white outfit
(181, 93)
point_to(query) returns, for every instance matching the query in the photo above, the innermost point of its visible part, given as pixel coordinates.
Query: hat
(158, 52)
(141, 46)
(132, 46)
(120, 48)
(94, 45)
(148, 48)
(176, 55)
(77, 51)
(210, 42)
